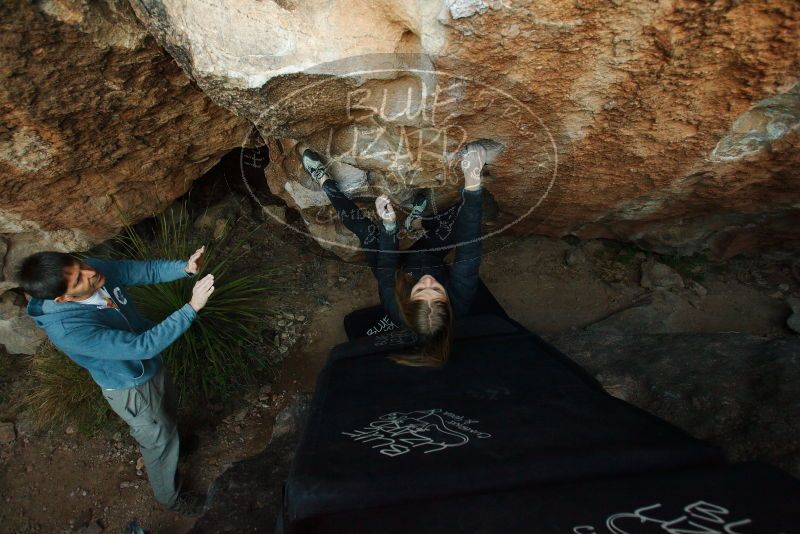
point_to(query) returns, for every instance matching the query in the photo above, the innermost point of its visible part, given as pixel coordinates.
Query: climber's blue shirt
(120, 348)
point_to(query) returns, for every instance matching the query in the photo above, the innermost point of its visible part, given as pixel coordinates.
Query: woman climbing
(416, 287)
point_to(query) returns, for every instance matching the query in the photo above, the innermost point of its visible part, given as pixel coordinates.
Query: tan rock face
(670, 123)
(97, 126)
(18, 333)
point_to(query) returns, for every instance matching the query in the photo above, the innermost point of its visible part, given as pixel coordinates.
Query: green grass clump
(217, 354)
(62, 393)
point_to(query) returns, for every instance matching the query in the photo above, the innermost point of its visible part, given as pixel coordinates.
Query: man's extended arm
(99, 341)
(141, 273)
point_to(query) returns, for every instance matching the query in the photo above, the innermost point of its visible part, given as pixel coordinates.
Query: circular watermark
(403, 131)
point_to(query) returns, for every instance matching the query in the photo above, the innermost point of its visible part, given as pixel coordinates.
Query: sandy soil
(58, 482)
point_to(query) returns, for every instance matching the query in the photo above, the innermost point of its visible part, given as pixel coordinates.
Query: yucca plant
(216, 354)
(62, 393)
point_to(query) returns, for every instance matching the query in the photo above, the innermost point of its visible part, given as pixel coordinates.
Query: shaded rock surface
(658, 312)
(793, 321)
(98, 126)
(248, 496)
(657, 275)
(738, 391)
(670, 124)
(18, 333)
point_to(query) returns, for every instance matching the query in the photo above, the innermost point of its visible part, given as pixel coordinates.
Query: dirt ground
(66, 482)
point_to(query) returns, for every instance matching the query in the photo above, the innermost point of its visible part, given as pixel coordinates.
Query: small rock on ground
(276, 213)
(699, 290)
(575, 257)
(7, 433)
(658, 275)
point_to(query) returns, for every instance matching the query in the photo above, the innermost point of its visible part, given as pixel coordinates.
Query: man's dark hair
(41, 275)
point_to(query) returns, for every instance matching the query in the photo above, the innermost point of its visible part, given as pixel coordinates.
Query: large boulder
(18, 333)
(672, 124)
(738, 391)
(98, 126)
(247, 497)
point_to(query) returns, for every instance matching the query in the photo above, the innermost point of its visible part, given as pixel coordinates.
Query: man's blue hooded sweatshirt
(119, 347)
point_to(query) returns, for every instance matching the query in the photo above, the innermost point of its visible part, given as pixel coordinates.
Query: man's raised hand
(195, 261)
(201, 291)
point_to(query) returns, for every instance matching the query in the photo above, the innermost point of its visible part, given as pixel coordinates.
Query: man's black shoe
(190, 504)
(313, 165)
(189, 444)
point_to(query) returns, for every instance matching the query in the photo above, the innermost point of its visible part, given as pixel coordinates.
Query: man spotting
(86, 313)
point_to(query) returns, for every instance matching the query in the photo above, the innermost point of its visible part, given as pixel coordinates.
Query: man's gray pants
(150, 410)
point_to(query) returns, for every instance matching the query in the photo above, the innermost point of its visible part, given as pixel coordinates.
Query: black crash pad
(506, 412)
(737, 499)
(509, 436)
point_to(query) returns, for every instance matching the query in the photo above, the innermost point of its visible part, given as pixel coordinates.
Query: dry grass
(62, 393)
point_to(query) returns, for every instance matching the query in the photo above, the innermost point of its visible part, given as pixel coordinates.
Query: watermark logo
(401, 129)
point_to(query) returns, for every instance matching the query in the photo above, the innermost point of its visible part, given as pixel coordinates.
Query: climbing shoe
(189, 504)
(313, 165)
(417, 209)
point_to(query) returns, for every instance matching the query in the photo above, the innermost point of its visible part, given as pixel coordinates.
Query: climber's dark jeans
(438, 229)
(352, 216)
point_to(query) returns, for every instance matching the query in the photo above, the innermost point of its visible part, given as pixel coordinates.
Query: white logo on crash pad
(384, 325)
(398, 433)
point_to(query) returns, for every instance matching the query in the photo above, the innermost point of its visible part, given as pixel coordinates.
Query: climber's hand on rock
(472, 164)
(385, 210)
